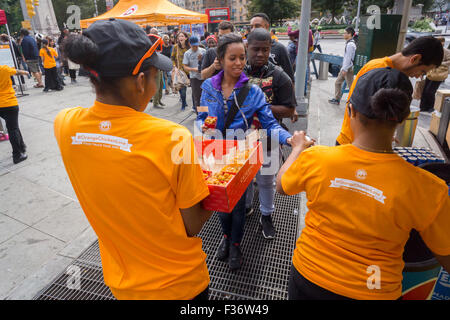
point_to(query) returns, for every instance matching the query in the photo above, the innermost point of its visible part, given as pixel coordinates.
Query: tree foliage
(334, 7)
(13, 15)
(277, 10)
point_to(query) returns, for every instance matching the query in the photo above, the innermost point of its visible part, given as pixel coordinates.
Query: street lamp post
(96, 9)
(357, 16)
(302, 58)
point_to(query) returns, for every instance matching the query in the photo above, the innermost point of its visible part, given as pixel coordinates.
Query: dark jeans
(183, 97)
(11, 117)
(196, 91)
(300, 288)
(202, 296)
(52, 79)
(428, 94)
(233, 223)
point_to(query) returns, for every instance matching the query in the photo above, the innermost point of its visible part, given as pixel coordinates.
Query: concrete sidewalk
(42, 227)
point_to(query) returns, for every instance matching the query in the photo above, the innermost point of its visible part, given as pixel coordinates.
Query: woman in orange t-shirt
(142, 200)
(48, 56)
(363, 201)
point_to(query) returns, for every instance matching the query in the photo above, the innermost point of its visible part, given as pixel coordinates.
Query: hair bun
(390, 104)
(81, 50)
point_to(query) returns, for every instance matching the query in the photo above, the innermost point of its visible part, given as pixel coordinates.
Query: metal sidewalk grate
(264, 273)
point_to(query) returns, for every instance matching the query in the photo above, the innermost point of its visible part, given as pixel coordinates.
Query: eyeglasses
(157, 43)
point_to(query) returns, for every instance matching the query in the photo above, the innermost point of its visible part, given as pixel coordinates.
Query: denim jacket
(254, 103)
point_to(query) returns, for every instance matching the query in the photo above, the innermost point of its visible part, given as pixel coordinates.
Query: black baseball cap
(373, 81)
(122, 47)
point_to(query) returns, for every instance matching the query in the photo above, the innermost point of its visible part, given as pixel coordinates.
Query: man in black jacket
(278, 52)
(279, 91)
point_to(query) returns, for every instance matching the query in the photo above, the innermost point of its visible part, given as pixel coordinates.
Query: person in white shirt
(190, 61)
(346, 72)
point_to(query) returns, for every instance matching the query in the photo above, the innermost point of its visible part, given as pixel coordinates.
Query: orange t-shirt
(362, 207)
(120, 164)
(7, 93)
(48, 60)
(346, 135)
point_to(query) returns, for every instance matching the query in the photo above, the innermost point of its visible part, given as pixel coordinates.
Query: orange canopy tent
(149, 12)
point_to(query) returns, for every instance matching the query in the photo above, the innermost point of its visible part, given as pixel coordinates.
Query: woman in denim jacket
(219, 93)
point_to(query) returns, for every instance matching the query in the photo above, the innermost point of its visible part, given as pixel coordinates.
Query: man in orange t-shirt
(363, 201)
(420, 56)
(135, 175)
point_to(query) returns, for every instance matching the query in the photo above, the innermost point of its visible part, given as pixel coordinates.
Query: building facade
(238, 8)
(180, 3)
(44, 21)
(239, 11)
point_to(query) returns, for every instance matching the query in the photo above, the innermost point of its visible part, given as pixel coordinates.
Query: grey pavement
(42, 227)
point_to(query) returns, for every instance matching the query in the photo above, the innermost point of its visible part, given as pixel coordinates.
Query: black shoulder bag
(234, 108)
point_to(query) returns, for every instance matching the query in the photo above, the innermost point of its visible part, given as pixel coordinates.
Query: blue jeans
(233, 223)
(266, 185)
(183, 98)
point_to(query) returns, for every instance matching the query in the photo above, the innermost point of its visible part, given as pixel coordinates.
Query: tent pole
(16, 65)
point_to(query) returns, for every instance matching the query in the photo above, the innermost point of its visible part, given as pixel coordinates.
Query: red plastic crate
(225, 198)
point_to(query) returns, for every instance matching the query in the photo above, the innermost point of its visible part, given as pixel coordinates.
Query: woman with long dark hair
(220, 94)
(48, 55)
(178, 51)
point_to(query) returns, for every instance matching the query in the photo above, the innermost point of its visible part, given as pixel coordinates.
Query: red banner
(3, 18)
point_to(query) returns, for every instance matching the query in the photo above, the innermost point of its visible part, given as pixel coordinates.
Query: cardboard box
(441, 95)
(225, 198)
(434, 124)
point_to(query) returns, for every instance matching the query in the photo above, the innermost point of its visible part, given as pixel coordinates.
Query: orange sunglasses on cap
(157, 43)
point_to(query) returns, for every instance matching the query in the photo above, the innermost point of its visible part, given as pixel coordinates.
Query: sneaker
(334, 101)
(235, 260)
(20, 158)
(162, 104)
(268, 230)
(223, 250)
(158, 106)
(4, 136)
(248, 211)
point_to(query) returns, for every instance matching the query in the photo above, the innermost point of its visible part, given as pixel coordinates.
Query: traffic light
(30, 8)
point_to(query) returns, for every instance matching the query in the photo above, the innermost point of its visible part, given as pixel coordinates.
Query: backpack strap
(234, 108)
